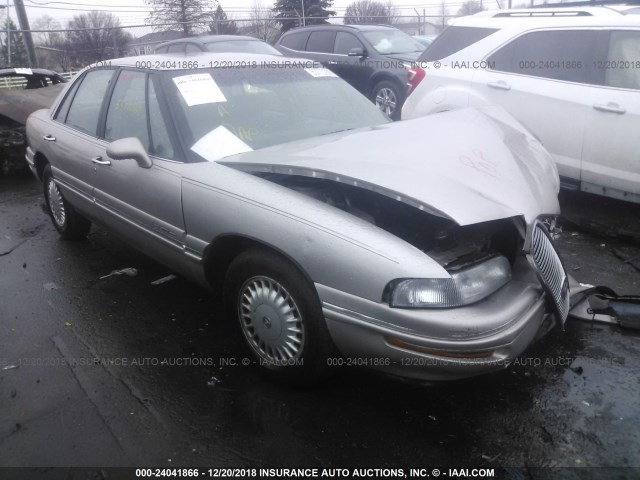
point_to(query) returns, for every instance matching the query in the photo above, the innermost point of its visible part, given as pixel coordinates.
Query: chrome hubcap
(56, 203)
(386, 100)
(271, 320)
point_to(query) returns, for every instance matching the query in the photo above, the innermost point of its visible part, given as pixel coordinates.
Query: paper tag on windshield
(198, 89)
(24, 71)
(320, 72)
(219, 143)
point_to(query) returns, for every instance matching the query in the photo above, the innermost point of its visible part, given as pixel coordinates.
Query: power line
(76, 4)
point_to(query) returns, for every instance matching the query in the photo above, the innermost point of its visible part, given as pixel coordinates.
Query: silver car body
(481, 166)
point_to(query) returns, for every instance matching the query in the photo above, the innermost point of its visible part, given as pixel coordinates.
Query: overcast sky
(134, 12)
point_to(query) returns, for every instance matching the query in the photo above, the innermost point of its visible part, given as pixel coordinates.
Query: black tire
(389, 98)
(303, 360)
(69, 223)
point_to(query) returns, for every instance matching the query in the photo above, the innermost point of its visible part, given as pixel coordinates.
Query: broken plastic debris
(9, 367)
(67, 324)
(163, 280)
(130, 272)
(213, 381)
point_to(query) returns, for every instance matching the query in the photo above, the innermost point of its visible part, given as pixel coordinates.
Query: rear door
(72, 138)
(544, 79)
(611, 152)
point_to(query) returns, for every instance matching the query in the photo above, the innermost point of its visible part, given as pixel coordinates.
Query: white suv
(571, 76)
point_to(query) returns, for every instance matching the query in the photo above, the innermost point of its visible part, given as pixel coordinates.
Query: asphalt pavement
(122, 371)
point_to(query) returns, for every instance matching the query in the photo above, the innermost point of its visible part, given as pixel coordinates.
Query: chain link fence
(66, 50)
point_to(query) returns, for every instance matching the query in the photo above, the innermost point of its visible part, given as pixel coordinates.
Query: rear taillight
(414, 77)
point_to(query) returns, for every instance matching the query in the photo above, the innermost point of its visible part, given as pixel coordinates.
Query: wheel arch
(225, 248)
(378, 77)
(40, 161)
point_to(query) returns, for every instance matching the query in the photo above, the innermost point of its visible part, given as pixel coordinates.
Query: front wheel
(280, 317)
(69, 223)
(388, 98)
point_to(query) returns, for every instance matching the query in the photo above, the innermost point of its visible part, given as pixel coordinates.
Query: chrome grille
(550, 270)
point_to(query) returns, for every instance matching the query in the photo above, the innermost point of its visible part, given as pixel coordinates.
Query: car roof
(198, 60)
(10, 72)
(210, 39)
(546, 17)
(362, 28)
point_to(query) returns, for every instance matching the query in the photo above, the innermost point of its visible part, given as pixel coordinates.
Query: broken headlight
(464, 287)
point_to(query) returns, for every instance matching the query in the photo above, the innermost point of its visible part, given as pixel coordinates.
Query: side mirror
(357, 52)
(129, 148)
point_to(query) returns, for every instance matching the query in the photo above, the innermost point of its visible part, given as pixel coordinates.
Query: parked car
(27, 90)
(217, 43)
(372, 58)
(321, 221)
(571, 76)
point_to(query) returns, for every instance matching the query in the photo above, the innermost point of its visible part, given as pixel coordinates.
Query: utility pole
(8, 36)
(26, 32)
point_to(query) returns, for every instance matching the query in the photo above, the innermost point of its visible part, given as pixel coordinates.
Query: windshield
(388, 42)
(225, 111)
(246, 46)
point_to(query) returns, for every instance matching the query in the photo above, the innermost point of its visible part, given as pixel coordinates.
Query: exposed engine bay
(451, 245)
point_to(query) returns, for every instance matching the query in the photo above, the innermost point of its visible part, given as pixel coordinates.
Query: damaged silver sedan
(419, 248)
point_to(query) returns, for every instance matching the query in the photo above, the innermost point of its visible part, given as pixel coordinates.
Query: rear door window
(321, 42)
(295, 40)
(569, 55)
(84, 111)
(192, 47)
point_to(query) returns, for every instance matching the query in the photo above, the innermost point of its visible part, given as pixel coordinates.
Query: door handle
(49, 138)
(98, 160)
(499, 85)
(332, 63)
(611, 107)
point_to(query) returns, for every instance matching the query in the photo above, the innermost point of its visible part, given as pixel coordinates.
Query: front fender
(333, 247)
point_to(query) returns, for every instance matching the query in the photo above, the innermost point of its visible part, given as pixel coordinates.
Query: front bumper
(439, 344)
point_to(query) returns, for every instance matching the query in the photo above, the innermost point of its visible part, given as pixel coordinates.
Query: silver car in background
(420, 248)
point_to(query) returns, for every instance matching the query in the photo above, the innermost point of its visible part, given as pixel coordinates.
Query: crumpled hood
(467, 165)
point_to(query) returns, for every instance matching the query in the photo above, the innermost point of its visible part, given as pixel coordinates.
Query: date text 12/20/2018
(304, 473)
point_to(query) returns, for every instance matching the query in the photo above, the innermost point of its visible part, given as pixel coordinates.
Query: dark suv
(373, 58)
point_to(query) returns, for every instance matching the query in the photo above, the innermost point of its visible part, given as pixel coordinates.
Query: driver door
(142, 204)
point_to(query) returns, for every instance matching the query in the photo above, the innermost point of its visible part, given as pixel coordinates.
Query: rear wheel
(280, 317)
(69, 223)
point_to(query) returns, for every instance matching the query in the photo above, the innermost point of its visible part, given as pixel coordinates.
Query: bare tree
(50, 45)
(393, 13)
(182, 13)
(367, 11)
(261, 24)
(469, 8)
(53, 38)
(95, 36)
